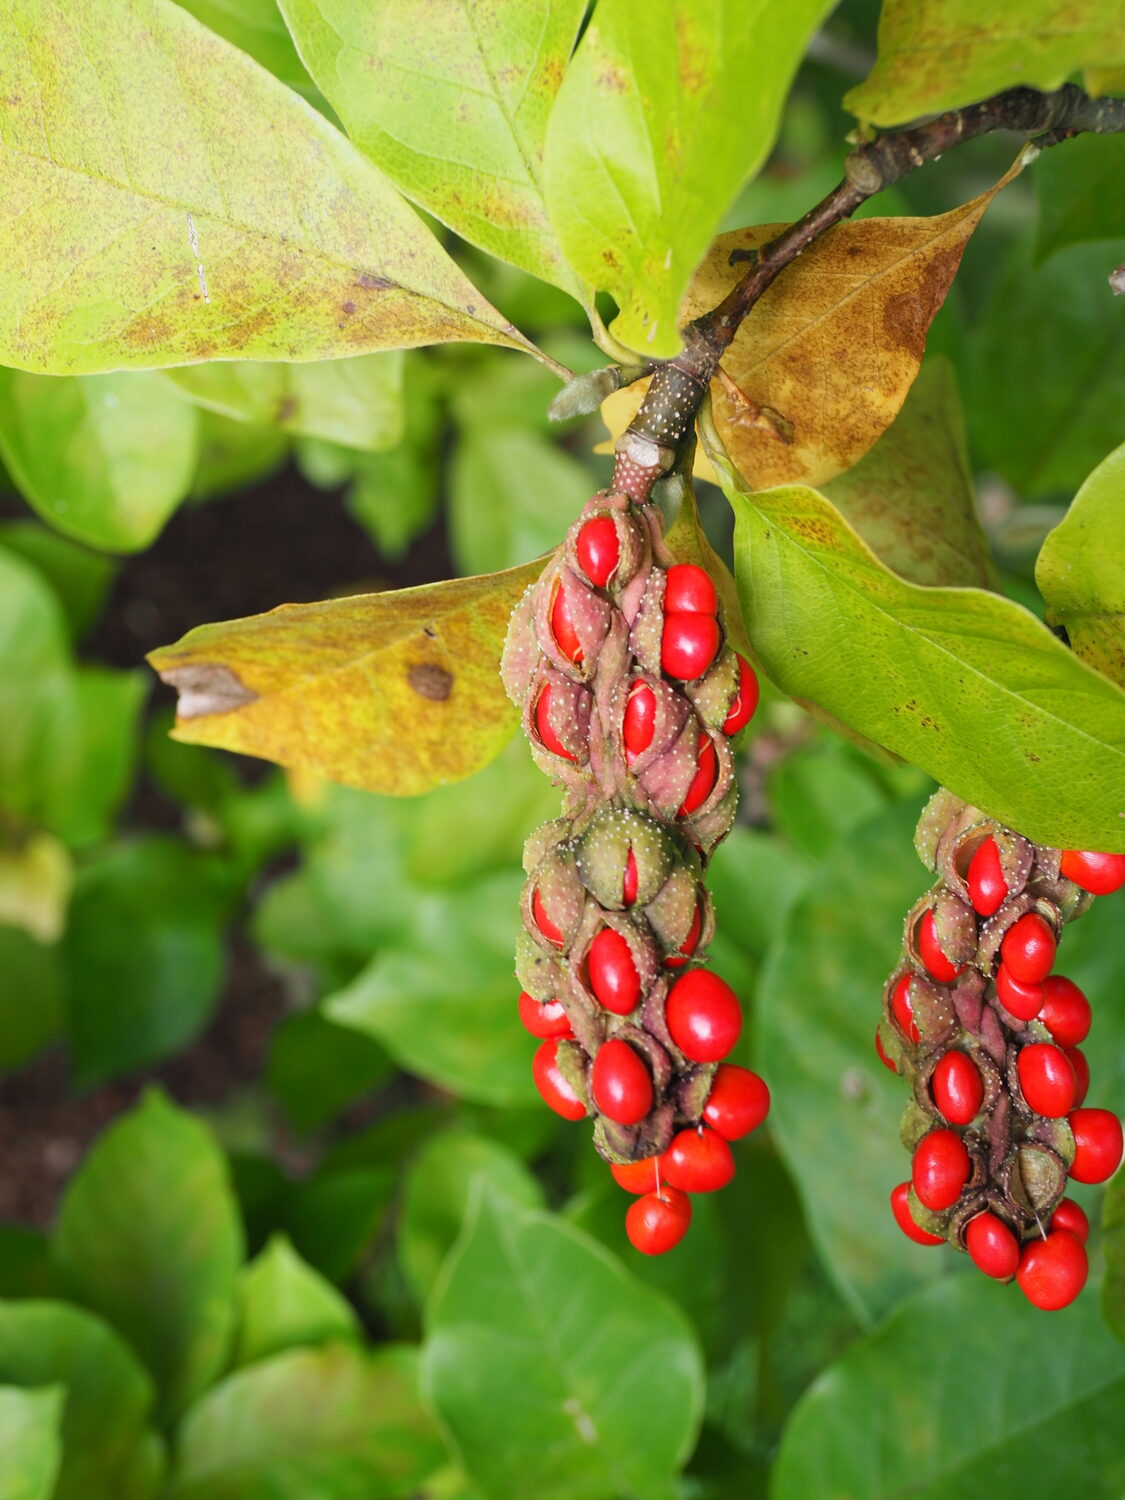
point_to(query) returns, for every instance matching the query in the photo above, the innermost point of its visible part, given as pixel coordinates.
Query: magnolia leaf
(935, 55)
(451, 102)
(283, 1303)
(823, 363)
(167, 201)
(1081, 570)
(966, 685)
(392, 692)
(29, 1441)
(664, 112)
(1079, 192)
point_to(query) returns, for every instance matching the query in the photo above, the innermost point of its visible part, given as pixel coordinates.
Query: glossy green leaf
(108, 1451)
(911, 496)
(316, 1068)
(1059, 326)
(967, 1392)
(964, 684)
(439, 1187)
(935, 55)
(143, 953)
(452, 101)
(29, 1442)
(170, 201)
(1079, 192)
(105, 458)
(79, 577)
(283, 1303)
(357, 402)
(443, 1000)
(835, 1108)
(664, 112)
(334, 1423)
(31, 1011)
(1113, 1241)
(149, 1236)
(554, 1371)
(1081, 570)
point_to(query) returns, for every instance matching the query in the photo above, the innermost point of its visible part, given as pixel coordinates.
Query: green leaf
(316, 1068)
(911, 496)
(333, 1423)
(257, 27)
(36, 876)
(664, 112)
(442, 1001)
(1081, 570)
(334, 1216)
(555, 1372)
(149, 1236)
(451, 101)
(108, 1452)
(29, 1441)
(357, 402)
(1078, 191)
(108, 707)
(26, 1268)
(939, 54)
(105, 458)
(941, 1402)
(1113, 1242)
(821, 791)
(30, 998)
(439, 1187)
(79, 577)
(172, 202)
(1060, 327)
(283, 1303)
(835, 1108)
(234, 455)
(143, 953)
(966, 685)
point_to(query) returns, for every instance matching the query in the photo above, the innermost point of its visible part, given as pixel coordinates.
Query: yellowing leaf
(166, 200)
(394, 692)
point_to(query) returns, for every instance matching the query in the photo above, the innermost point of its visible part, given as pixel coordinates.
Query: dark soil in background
(280, 542)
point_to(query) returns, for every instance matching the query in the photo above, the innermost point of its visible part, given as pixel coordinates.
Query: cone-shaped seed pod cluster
(630, 696)
(988, 1037)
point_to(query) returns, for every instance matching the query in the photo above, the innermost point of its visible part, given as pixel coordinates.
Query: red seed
(688, 645)
(940, 1169)
(1046, 1080)
(699, 1160)
(957, 1088)
(552, 1086)
(1100, 874)
(639, 721)
(900, 1207)
(1065, 1011)
(621, 1083)
(689, 590)
(1024, 1001)
(883, 1058)
(1069, 1216)
(689, 945)
(543, 921)
(992, 1246)
(1028, 949)
(638, 1176)
(658, 1222)
(1077, 1060)
(613, 972)
(543, 1018)
(738, 1102)
(1098, 1144)
(746, 698)
(703, 782)
(543, 724)
(599, 550)
(931, 954)
(703, 1015)
(902, 1009)
(562, 626)
(1053, 1271)
(629, 881)
(987, 887)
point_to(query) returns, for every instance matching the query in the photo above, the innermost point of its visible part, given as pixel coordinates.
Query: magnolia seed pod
(616, 841)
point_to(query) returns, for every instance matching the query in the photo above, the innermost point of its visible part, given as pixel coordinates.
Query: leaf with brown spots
(394, 692)
(1081, 570)
(965, 684)
(165, 200)
(829, 353)
(935, 55)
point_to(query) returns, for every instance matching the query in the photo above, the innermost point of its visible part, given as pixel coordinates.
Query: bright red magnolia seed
(957, 1088)
(985, 878)
(1024, 1001)
(745, 699)
(562, 626)
(992, 1246)
(883, 1058)
(543, 724)
(699, 1160)
(703, 1015)
(553, 1087)
(1069, 1216)
(1101, 874)
(1028, 949)
(703, 782)
(613, 973)
(689, 590)
(688, 645)
(543, 1018)
(1097, 1144)
(1053, 1271)
(900, 1207)
(929, 949)
(1065, 1011)
(639, 721)
(1046, 1080)
(638, 1176)
(599, 550)
(658, 1222)
(940, 1169)
(738, 1102)
(621, 1083)
(629, 881)
(690, 943)
(1077, 1060)
(543, 921)
(902, 1009)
